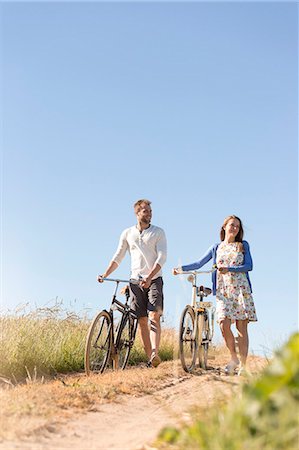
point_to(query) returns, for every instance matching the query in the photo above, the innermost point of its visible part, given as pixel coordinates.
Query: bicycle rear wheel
(204, 341)
(125, 340)
(98, 343)
(188, 344)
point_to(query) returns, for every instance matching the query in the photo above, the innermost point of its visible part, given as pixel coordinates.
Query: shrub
(265, 417)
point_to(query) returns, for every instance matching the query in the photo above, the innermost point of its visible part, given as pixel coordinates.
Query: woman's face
(232, 228)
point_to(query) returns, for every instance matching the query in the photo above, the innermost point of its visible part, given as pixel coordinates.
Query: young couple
(146, 244)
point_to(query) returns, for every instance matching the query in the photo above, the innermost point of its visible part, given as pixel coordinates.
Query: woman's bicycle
(109, 341)
(196, 325)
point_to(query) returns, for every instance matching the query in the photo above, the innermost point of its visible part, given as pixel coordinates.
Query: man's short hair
(139, 203)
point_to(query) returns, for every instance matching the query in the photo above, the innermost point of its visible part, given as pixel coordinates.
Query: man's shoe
(155, 360)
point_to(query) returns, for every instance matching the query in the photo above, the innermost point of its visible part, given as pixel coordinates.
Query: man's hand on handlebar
(145, 283)
(100, 278)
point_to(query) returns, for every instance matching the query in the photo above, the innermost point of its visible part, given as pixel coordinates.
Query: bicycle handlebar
(116, 280)
(195, 272)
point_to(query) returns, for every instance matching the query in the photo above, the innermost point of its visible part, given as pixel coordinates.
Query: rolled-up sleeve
(161, 247)
(121, 249)
(247, 265)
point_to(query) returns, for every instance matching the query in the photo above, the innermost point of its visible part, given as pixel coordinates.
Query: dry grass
(26, 408)
(41, 343)
(51, 341)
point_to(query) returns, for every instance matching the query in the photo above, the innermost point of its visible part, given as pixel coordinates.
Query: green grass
(264, 417)
(52, 340)
(42, 342)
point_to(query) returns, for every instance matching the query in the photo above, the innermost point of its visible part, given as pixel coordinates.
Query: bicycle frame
(104, 342)
(200, 306)
(203, 312)
(126, 312)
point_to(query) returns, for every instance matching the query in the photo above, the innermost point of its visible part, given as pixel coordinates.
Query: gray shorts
(149, 299)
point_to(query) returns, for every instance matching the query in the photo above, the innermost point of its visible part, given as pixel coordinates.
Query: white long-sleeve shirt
(146, 249)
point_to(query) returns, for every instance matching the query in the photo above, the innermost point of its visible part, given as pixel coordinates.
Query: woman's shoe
(243, 371)
(231, 367)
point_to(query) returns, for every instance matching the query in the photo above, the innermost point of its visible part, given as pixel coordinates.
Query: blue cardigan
(212, 253)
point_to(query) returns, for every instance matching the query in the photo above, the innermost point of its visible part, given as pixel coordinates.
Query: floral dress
(233, 294)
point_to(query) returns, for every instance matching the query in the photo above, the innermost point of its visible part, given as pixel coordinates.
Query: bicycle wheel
(98, 343)
(204, 341)
(124, 340)
(188, 344)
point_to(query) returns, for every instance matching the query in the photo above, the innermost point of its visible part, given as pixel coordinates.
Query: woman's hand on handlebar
(222, 270)
(175, 271)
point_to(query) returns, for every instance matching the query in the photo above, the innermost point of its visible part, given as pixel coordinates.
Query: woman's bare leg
(229, 338)
(242, 340)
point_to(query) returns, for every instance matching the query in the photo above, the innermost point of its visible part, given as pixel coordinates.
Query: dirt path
(132, 423)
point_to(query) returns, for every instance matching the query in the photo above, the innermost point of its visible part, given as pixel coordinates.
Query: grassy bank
(48, 341)
(264, 417)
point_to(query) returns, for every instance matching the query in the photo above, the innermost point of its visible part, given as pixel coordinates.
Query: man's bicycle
(109, 341)
(196, 325)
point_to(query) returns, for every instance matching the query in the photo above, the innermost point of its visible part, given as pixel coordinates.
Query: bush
(265, 417)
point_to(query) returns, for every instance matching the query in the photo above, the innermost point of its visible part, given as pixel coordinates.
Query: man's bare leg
(155, 331)
(145, 335)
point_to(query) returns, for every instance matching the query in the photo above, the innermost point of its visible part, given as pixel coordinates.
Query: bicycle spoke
(188, 343)
(204, 344)
(124, 342)
(98, 343)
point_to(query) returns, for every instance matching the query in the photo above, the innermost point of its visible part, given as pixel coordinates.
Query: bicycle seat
(202, 291)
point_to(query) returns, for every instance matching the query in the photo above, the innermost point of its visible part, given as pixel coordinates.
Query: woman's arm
(201, 262)
(247, 264)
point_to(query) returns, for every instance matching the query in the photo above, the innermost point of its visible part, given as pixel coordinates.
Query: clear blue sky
(192, 105)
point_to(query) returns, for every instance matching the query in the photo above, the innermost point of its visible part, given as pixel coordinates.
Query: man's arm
(145, 283)
(112, 266)
(161, 258)
(118, 256)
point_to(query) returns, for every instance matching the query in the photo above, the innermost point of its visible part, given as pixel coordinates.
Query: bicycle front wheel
(204, 342)
(188, 344)
(125, 340)
(98, 343)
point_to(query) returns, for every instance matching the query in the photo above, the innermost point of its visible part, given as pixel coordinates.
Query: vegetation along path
(116, 410)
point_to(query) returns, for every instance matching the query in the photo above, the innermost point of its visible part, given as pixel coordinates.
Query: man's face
(144, 214)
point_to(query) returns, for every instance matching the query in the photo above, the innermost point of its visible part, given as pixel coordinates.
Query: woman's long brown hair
(239, 237)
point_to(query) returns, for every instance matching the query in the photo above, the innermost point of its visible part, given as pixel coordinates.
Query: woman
(231, 284)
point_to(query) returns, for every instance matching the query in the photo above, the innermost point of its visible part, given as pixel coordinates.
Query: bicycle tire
(188, 342)
(204, 344)
(98, 343)
(125, 340)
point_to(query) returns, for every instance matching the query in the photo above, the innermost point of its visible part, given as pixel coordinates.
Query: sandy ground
(132, 423)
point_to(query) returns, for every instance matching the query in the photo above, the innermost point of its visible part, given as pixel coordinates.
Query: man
(146, 244)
